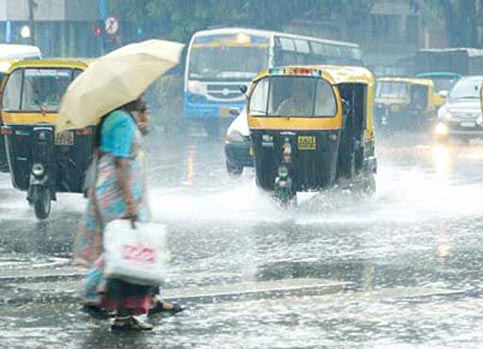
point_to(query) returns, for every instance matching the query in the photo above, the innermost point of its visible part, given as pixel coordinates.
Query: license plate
(306, 143)
(224, 112)
(64, 138)
(468, 124)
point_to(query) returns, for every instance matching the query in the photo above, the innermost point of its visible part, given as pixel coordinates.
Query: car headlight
(443, 113)
(38, 170)
(235, 136)
(441, 129)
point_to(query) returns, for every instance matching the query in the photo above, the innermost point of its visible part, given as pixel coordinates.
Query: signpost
(111, 25)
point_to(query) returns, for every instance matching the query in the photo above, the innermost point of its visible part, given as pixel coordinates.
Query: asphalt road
(399, 270)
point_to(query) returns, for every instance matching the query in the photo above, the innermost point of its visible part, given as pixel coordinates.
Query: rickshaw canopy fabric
(114, 80)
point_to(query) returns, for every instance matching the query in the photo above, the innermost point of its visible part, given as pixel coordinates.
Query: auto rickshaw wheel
(367, 185)
(286, 197)
(42, 203)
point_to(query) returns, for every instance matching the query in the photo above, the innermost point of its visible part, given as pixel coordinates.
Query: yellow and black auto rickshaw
(4, 67)
(41, 162)
(405, 103)
(312, 129)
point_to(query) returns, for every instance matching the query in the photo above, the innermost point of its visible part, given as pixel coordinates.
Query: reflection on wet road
(409, 259)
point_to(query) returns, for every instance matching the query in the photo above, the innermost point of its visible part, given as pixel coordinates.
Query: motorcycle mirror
(244, 89)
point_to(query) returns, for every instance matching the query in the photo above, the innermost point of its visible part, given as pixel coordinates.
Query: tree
(462, 21)
(179, 19)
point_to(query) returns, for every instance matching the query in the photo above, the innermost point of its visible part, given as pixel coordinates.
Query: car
(238, 150)
(460, 116)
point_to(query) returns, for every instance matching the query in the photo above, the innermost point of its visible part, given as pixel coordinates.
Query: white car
(460, 116)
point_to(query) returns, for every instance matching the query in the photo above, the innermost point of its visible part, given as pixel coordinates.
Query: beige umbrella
(114, 80)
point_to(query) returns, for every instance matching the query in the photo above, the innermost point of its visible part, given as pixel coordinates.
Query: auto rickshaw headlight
(42, 136)
(38, 170)
(283, 171)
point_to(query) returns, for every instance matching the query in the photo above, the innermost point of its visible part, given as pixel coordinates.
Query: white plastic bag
(135, 255)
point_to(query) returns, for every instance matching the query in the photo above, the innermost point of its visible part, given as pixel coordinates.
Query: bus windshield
(386, 89)
(293, 96)
(225, 62)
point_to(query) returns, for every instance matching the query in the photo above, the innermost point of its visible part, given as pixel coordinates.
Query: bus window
(286, 44)
(302, 46)
(318, 49)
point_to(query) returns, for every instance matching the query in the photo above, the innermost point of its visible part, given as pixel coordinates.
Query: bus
(462, 61)
(220, 61)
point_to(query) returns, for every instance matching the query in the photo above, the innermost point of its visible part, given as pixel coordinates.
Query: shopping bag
(135, 252)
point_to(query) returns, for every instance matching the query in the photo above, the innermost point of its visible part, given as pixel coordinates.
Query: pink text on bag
(138, 253)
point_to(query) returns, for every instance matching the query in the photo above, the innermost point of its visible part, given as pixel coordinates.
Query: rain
(316, 166)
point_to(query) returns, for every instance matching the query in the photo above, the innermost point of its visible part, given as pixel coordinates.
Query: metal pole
(32, 7)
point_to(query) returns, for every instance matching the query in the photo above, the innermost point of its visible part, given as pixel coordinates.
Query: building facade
(61, 28)
(389, 34)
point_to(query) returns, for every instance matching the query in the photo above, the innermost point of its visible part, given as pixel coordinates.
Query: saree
(106, 203)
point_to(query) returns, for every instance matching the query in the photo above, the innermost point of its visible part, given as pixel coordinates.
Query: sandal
(130, 323)
(97, 312)
(161, 306)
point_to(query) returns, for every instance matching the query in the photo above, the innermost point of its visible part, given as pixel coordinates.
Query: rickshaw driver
(299, 102)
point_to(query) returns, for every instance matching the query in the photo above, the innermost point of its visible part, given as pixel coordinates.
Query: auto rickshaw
(312, 129)
(4, 67)
(41, 161)
(443, 83)
(404, 103)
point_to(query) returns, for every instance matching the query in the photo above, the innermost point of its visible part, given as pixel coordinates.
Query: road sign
(111, 25)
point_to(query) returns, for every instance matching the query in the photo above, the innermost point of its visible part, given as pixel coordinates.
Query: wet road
(406, 264)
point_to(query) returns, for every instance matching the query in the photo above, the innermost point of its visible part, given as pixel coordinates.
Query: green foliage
(179, 19)
(165, 98)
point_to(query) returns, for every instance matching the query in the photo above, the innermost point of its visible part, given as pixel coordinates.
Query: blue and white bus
(219, 61)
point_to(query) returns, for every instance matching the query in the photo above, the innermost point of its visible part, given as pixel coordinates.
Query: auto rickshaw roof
(408, 80)
(51, 63)
(332, 73)
(5, 65)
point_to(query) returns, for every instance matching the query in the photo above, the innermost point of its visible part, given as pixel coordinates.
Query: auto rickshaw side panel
(68, 161)
(4, 66)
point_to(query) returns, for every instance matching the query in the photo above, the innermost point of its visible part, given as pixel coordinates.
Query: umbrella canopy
(114, 80)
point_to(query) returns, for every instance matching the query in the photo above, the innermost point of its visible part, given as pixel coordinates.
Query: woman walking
(118, 192)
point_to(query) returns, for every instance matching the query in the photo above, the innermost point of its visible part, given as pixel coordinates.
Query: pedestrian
(118, 192)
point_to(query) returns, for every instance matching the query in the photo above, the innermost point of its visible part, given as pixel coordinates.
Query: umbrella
(114, 80)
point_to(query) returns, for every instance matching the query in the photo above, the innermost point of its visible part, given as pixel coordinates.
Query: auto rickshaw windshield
(293, 96)
(390, 89)
(35, 89)
(443, 83)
